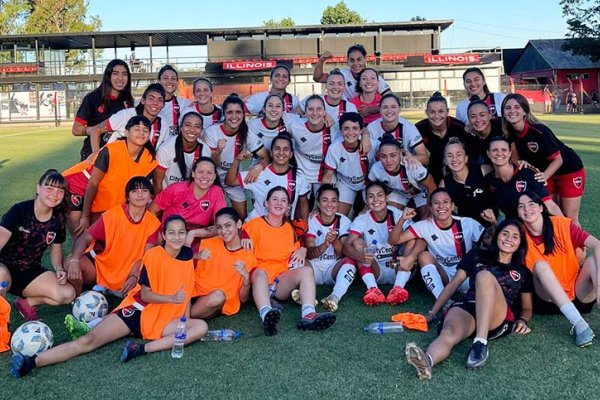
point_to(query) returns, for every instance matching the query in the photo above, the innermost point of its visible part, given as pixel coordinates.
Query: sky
(477, 24)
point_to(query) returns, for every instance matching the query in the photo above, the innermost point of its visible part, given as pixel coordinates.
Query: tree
(584, 26)
(340, 14)
(285, 22)
(12, 16)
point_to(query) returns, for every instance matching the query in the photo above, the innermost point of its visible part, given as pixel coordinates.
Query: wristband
(523, 320)
(73, 261)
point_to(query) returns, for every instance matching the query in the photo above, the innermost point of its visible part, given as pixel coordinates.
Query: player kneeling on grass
(327, 232)
(497, 278)
(151, 311)
(222, 273)
(375, 226)
(281, 266)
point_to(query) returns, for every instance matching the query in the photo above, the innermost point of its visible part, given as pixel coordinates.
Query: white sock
(344, 278)
(432, 279)
(572, 314)
(482, 340)
(263, 311)
(307, 309)
(94, 322)
(401, 278)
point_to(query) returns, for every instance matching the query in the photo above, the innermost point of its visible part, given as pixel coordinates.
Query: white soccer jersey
(255, 103)
(350, 88)
(209, 119)
(407, 181)
(451, 244)
(310, 148)
(257, 128)
(350, 167)
(318, 230)
(366, 227)
(335, 112)
(493, 100)
(267, 180)
(405, 133)
(171, 113)
(166, 160)
(117, 123)
(233, 147)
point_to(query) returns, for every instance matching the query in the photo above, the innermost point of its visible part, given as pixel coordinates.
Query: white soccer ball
(31, 338)
(90, 305)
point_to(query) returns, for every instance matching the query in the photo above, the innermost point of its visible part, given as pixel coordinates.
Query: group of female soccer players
(485, 206)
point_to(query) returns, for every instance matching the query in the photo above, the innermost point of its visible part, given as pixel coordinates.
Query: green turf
(342, 362)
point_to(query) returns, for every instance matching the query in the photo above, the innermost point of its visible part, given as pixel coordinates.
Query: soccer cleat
(270, 322)
(583, 339)
(277, 305)
(21, 365)
(28, 312)
(374, 297)
(75, 327)
(397, 295)
(295, 295)
(416, 357)
(330, 303)
(316, 321)
(132, 350)
(478, 355)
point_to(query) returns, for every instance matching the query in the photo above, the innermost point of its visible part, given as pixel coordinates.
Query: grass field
(342, 362)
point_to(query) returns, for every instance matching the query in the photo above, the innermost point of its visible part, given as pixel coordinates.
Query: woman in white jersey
(280, 80)
(171, 113)
(270, 124)
(212, 114)
(475, 85)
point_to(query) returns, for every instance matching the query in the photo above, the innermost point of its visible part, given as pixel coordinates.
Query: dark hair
(137, 120)
(53, 178)
(498, 138)
(171, 218)
(524, 104)
(179, 155)
(325, 187)
(217, 181)
(335, 72)
(282, 66)
(269, 97)
(486, 90)
(390, 96)
(153, 87)
(436, 191)
(202, 79)
(287, 195)
(242, 132)
(437, 97)
(381, 184)
(389, 140)
(473, 101)
(229, 212)
(105, 86)
(519, 255)
(138, 182)
(287, 137)
(352, 117)
(314, 97)
(165, 68)
(360, 74)
(357, 47)
(547, 228)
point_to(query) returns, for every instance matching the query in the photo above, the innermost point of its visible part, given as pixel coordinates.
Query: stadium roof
(199, 37)
(551, 51)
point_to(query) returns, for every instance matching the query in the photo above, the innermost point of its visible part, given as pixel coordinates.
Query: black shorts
(20, 279)
(545, 307)
(504, 329)
(132, 317)
(75, 202)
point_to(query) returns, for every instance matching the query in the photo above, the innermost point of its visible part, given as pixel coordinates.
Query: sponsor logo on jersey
(477, 191)
(533, 146)
(25, 231)
(521, 186)
(50, 236)
(578, 182)
(515, 275)
(205, 205)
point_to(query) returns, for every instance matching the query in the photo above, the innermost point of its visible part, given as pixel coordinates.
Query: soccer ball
(31, 338)
(90, 305)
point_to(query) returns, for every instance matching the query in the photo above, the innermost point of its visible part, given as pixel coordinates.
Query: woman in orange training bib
(151, 311)
(282, 266)
(563, 283)
(222, 274)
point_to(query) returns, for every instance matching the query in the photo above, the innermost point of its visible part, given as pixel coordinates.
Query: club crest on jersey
(458, 236)
(50, 236)
(521, 186)
(578, 182)
(205, 205)
(533, 146)
(492, 108)
(100, 109)
(515, 275)
(291, 185)
(75, 200)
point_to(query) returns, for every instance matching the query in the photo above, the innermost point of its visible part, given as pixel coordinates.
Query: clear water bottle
(371, 249)
(221, 335)
(180, 336)
(384, 327)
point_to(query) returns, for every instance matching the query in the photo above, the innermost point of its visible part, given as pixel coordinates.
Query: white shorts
(235, 193)
(386, 275)
(323, 272)
(398, 197)
(347, 194)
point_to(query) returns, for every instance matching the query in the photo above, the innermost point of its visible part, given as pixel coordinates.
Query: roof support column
(150, 46)
(37, 58)
(94, 54)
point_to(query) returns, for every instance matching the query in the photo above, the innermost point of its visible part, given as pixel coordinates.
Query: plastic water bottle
(3, 287)
(221, 335)
(384, 327)
(180, 336)
(371, 249)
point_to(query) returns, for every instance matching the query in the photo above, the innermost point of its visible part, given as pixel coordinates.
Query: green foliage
(340, 14)
(12, 15)
(584, 27)
(283, 23)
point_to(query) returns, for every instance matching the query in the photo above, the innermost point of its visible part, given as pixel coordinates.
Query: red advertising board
(249, 65)
(452, 59)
